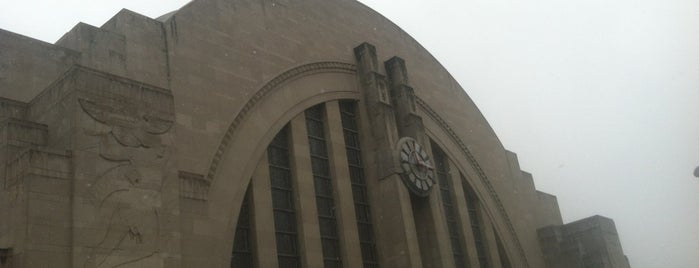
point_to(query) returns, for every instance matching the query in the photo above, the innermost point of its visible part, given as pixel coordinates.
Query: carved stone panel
(123, 176)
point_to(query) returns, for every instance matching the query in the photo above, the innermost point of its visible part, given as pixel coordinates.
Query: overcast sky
(599, 99)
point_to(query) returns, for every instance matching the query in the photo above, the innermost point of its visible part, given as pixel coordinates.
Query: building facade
(261, 134)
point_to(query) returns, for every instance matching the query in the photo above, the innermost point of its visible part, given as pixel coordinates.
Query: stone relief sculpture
(125, 193)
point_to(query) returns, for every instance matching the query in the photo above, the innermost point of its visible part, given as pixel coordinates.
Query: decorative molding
(194, 186)
(481, 174)
(303, 70)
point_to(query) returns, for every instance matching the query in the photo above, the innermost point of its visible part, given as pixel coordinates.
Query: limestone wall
(28, 66)
(196, 69)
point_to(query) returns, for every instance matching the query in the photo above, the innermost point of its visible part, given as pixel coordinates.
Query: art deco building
(281, 133)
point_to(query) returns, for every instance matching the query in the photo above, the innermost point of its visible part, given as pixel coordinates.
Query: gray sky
(598, 98)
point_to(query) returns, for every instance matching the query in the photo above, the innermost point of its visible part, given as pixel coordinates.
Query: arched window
(476, 224)
(348, 114)
(288, 170)
(242, 248)
(442, 171)
(325, 202)
(283, 201)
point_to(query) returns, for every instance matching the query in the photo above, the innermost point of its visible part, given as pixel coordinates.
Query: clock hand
(421, 162)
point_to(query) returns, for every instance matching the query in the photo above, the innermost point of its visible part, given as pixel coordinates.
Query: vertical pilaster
(429, 213)
(307, 217)
(263, 242)
(395, 225)
(435, 246)
(382, 125)
(490, 242)
(403, 99)
(464, 218)
(344, 202)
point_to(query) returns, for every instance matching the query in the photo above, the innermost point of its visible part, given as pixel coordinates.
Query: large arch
(440, 132)
(289, 94)
(275, 104)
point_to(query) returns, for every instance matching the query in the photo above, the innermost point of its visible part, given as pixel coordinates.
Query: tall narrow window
(6, 257)
(283, 201)
(472, 204)
(323, 185)
(501, 251)
(442, 171)
(242, 249)
(359, 187)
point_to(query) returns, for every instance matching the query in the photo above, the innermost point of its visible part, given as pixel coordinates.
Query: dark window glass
(362, 212)
(280, 177)
(357, 175)
(278, 156)
(323, 185)
(242, 249)
(317, 146)
(283, 201)
(286, 244)
(365, 232)
(288, 262)
(442, 172)
(283, 198)
(285, 221)
(354, 157)
(6, 257)
(320, 166)
(472, 204)
(359, 193)
(325, 207)
(315, 128)
(359, 189)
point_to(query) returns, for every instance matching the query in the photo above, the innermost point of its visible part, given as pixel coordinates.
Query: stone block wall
(35, 198)
(87, 175)
(28, 66)
(590, 242)
(94, 174)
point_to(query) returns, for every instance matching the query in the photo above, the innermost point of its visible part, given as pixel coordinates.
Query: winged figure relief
(126, 187)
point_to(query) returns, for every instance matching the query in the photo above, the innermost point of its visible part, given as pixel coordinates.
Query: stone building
(234, 133)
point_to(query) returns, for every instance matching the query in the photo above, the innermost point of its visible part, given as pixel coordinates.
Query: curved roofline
(168, 16)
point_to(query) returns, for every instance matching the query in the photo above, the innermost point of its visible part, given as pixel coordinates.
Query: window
(472, 204)
(323, 187)
(442, 172)
(5, 257)
(283, 201)
(359, 187)
(242, 249)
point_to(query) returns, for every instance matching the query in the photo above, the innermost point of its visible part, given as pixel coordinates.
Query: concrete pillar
(311, 251)
(262, 216)
(430, 224)
(344, 201)
(490, 242)
(395, 224)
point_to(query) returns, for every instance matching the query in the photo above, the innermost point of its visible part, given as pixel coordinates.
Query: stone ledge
(39, 162)
(20, 132)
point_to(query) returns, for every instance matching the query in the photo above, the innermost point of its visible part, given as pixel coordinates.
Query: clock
(416, 166)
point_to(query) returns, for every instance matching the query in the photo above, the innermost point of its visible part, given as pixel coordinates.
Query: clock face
(417, 167)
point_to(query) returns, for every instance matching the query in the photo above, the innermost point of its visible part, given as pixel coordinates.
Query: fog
(597, 98)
